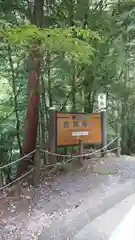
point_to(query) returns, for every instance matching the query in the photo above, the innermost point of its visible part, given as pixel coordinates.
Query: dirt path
(56, 196)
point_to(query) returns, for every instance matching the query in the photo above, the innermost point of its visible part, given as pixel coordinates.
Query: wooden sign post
(104, 132)
(118, 139)
(52, 137)
(81, 151)
(118, 129)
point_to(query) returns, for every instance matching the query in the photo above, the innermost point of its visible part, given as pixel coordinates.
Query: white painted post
(102, 108)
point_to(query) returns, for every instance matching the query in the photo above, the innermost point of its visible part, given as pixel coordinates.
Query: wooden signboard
(73, 127)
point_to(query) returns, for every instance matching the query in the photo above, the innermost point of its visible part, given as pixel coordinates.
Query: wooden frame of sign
(68, 129)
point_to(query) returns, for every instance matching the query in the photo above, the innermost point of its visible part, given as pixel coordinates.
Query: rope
(56, 154)
(16, 180)
(61, 155)
(90, 154)
(110, 150)
(18, 160)
(76, 156)
(82, 155)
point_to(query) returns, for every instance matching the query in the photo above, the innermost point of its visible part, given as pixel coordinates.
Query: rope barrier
(110, 150)
(16, 180)
(76, 156)
(18, 160)
(90, 154)
(55, 154)
(82, 155)
(61, 155)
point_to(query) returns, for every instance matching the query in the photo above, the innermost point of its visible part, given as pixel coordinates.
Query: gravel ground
(58, 196)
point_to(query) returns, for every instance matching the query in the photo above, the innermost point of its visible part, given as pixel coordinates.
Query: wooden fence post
(81, 151)
(37, 165)
(104, 132)
(52, 137)
(118, 139)
(118, 130)
(118, 148)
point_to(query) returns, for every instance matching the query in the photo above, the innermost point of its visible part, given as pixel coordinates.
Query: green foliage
(57, 40)
(86, 48)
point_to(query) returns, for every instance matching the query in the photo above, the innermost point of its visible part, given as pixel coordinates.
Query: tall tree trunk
(44, 118)
(73, 84)
(124, 130)
(88, 93)
(49, 80)
(31, 120)
(42, 114)
(71, 12)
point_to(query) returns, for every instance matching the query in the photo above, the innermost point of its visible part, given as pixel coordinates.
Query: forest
(61, 54)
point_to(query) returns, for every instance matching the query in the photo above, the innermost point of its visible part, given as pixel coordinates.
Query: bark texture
(34, 63)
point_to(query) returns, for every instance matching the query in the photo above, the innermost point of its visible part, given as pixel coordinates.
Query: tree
(71, 44)
(34, 64)
(73, 51)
